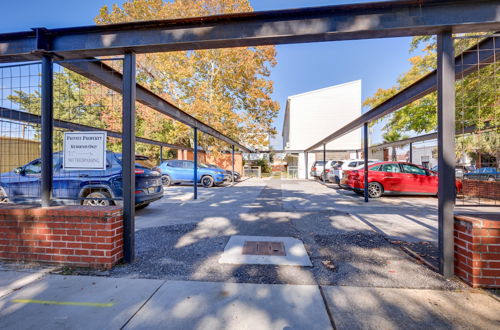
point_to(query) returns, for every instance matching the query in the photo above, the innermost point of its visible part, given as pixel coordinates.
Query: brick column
(477, 250)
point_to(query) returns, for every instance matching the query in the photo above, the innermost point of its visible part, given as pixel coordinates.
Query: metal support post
(411, 153)
(161, 154)
(307, 164)
(128, 156)
(232, 162)
(195, 165)
(47, 122)
(324, 164)
(365, 157)
(446, 150)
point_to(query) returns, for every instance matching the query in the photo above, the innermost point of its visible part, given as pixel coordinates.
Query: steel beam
(446, 150)
(466, 63)
(46, 129)
(431, 136)
(107, 76)
(365, 156)
(232, 163)
(195, 165)
(297, 151)
(306, 154)
(161, 155)
(16, 115)
(341, 22)
(324, 165)
(128, 157)
(411, 153)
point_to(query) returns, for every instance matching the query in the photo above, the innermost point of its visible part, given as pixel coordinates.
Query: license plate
(151, 190)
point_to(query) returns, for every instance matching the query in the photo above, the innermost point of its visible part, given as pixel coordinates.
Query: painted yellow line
(67, 303)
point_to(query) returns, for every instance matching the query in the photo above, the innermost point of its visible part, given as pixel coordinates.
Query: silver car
(335, 173)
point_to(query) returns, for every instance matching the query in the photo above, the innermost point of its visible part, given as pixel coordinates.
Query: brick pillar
(477, 250)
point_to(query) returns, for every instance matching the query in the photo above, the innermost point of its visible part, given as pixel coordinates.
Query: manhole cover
(264, 248)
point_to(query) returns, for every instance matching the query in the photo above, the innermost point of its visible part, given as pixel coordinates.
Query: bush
(264, 165)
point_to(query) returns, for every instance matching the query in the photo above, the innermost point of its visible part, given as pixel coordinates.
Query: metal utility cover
(264, 248)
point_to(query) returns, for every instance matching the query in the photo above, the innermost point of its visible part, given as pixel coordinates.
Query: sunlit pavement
(359, 279)
(85, 302)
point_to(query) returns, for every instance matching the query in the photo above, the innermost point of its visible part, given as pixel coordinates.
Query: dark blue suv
(90, 187)
(182, 171)
(484, 173)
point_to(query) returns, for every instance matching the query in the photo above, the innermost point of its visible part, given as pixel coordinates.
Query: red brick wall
(80, 236)
(481, 188)
(477, 250)
(223, 160)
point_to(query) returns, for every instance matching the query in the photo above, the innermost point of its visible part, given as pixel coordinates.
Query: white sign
(84, 151)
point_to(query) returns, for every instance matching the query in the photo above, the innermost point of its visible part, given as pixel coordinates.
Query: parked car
(90, 187)
(483, 173)
(319, 166)
(237, 175)
(395, 178)
(182, 171)
(336, 172)
(460, 170)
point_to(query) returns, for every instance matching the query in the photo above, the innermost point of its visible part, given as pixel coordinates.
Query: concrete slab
(208, 305)
(12, 280)
(387, 308)
(75, 302)
(296, 254)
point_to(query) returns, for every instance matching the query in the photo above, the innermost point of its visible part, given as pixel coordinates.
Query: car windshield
(139, 160)
(205, 165)
(319, 163)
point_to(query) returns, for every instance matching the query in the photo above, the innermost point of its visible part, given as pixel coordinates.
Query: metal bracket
(42, 40)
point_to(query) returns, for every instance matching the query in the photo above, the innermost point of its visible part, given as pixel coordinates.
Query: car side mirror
(19, 171)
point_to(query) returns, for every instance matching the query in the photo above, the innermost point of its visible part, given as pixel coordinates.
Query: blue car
(182, 171)
(484, 173)
(89, 187)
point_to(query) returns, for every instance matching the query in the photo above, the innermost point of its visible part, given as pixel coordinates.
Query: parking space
(349, 242)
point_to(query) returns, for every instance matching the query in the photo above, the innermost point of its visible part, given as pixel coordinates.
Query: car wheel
(98, 201)
(207, 181)
(166, 181)
(3, 197)
(142, 206)
(375, 190)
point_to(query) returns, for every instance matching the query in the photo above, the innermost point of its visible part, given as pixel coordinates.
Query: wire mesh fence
(79, 105)
(478, 118)
(477, 139)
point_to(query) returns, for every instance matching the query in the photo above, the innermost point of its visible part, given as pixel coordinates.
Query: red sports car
(394, 178)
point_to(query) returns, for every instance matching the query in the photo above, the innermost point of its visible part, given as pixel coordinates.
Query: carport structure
(332, 23)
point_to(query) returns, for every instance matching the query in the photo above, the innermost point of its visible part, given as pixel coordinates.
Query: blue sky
(300, 68)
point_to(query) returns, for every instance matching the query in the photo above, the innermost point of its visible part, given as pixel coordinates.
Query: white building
(312, 116)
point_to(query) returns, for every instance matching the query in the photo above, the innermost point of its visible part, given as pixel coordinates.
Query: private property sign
(84, 151)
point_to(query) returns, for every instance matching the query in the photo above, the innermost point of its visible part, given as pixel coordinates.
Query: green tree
(393, 136)
(477, 98)
(229, 88)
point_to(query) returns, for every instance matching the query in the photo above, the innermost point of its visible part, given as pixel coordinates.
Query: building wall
(15, 152)
(311, 116)
(424, 154)
(223, 160)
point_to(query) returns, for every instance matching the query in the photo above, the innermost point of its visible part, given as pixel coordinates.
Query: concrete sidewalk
(30, 300)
